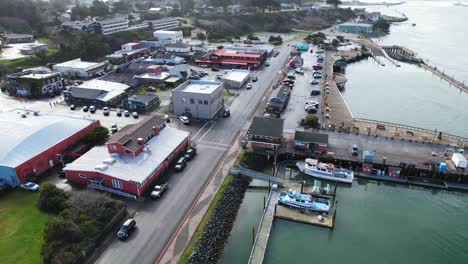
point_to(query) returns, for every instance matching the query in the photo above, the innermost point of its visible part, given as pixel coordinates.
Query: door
(51, 163)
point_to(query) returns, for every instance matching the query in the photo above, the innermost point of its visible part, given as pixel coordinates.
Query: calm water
(378, 223)
(408, 94)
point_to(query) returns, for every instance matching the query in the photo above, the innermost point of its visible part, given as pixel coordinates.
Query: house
(196, 32)
(32, 143)
(151, 44)
(168, 37)
(82, 69)
(35, 82)
(163, 24)
(235, 79)
(165, 58)
(339, 61)
(303, 46)
(266, 133)
(132, 159)
(96, 92)
(179, 48)
(373, 16)
(128, 52)
(198, 99)
(311, 141)
(113, 25)
(141, 103)
(279, 101)
(84, 26)
(232, 59)
(33, 48)
(18, 38)
(355, 28)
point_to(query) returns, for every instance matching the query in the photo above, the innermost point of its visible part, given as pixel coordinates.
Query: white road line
(214, 143)
(203, 146)
(194, 136)
(209, 129)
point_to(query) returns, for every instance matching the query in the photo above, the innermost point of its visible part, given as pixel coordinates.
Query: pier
(450, 79)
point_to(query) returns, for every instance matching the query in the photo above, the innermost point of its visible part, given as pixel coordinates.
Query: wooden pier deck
(310, 218)
(450, 79)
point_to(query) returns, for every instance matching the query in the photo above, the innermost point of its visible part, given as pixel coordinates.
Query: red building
(132, 159)
(232, 59)
(32, 143)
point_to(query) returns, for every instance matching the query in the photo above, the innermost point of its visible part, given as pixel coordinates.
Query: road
(158, 220)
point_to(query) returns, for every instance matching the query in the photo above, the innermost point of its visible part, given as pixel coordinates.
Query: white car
(184, 120)
(114, 128)
(314, 82)
(311, 104)
(249, 86)
(30, 186)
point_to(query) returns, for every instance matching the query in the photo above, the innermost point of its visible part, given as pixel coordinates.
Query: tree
(52, 199)
(42, 56)
(97, 135)
(310, 121)
(79, 12)
(121, 6)
(252, 37)
(186, 5)
(275, 40)
(221, 3)
(201, 37)
(99, 9)
(264, 4)
(334, 3)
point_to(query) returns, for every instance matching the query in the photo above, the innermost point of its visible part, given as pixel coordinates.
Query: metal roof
(22, 138)
(127, 168)
(195, 86)
(267, 126)
(80, 65)
(311, 137)
(237, 75)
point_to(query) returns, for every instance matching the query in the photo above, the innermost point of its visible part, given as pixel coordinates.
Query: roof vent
(101, 167)
(140, 141)
(109, 161)
(23, 115)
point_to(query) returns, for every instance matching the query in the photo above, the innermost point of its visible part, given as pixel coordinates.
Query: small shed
(314, 141)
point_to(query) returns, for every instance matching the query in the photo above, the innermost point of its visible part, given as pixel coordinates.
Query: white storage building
(235, 79)
(168, 36)
(79, 68)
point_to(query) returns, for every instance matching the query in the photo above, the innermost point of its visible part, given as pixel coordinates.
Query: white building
(109, 26)
(82, 69)
(168, 37)
(198, 99)
(179, 48)
(163, 24)
(96, 92)
(235, 79)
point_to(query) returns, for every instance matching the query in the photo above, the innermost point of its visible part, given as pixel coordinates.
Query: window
(192, 101)
(113, 147)
(200, 101)
(82, 176)
(128, 151)
(117, 184)
(205, 102)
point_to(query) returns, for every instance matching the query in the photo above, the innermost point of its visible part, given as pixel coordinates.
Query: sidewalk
(187, 228)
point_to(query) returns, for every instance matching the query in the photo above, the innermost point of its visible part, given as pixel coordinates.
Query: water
(410, 95)
(378, 223)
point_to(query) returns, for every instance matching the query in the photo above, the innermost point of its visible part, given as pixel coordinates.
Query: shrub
(52, 199)
(253, 160)
(310, 121)
(61, 229)
(97, 136)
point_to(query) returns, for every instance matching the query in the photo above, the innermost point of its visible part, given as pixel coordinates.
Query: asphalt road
(158, 220)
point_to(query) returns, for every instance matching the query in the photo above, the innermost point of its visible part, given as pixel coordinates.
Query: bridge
(239, 170)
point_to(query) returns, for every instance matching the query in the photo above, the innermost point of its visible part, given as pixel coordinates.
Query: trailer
(459, 160)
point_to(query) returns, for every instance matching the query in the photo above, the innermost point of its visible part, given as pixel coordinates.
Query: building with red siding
(131, 160)
(232, 59)
(31, 143)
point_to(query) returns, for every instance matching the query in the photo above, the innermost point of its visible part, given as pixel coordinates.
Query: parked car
(185, 120)
(105, 111)
(315, 92)
(72, 107)
(181, 163)
(114, 128)
(195, 77)
(267, 63)
(254, 78)
(126, 229)
(226, 113)
(167, 118)
(214, 69)
(191, 152)
(85, 108)
(119, 112)
(219, 76)
(135, 114)
(248, 86)
(159, 190)
(150, 89)
(126, 113)
(311, 103)
(314, 82)
(355, 150)
(204, 65)
(30, 186)
(311, 109)
(92, 109)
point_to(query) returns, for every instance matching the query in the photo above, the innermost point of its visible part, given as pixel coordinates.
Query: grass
(227, 93)
(27, 62)
(141, 91)
(21, 228)
(192, 245)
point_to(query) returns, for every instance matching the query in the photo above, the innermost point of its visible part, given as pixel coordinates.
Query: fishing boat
(326, 171)
(304, 202)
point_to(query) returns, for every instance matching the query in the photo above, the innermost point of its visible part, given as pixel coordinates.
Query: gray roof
(179, 45)
(143, 98)
(311, 137)
(128, 135)
(85, 93)
(15, 36)
(267, 126)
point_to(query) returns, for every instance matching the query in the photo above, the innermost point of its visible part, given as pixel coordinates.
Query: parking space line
(209, 129)
(205, 146)
(194, 136)
(214, 143)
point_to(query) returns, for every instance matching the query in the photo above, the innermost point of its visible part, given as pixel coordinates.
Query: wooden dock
(451, 80)
(310, 218)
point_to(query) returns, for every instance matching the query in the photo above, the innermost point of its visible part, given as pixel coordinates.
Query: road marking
(209, 129)
(200, 130)
(204, 146)
(214, 143)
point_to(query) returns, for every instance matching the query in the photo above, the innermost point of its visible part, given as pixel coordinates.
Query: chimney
(155, 131)
(140, 141)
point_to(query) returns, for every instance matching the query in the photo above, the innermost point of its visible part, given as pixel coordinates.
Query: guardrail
(412, 128)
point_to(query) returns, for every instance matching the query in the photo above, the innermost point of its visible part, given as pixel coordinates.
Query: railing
(412, 128)
(107, 189)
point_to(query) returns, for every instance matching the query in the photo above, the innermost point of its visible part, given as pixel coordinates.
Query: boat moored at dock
(304, 202)
(326, 171)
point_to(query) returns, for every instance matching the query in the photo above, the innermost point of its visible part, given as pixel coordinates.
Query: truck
(459, 160)
(159, 190)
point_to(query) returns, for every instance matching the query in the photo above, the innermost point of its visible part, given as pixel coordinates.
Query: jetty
(450, 79)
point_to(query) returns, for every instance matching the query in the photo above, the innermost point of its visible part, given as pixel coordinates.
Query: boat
(304, 202)
(326, 171)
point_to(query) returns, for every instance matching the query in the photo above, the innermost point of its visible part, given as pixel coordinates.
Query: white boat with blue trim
(304, 202)
(326, 171)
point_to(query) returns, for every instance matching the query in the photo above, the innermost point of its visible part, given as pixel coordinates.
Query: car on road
(204, 65)
(135, 114)
(105, 111)
(215, 69)
(159, 190)
(30, 186)
(185, 120)
(126, 113)
(288, 81)
(314, 82)
(315, 92)
(291, 76)
(267, 63)
(85, 108)
(191, 152)
(311, 103)
(126, 229)
(311, 109)
(119, 112)
(355, 150)
(248, 86)
(72, 107)
(195, 77)
(114, 128)
(317, 76)
(254, 78)
(226, 113)
(92, 109)
(181, 163)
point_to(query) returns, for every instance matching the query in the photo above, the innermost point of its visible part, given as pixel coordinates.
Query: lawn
(21, 228)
